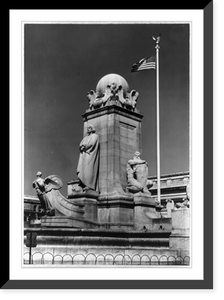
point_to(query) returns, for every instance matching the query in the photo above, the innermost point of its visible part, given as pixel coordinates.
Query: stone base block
(146, 216)
(116, 218)
(76, 191)
(79, 210)
(89, 204)
(180, 236)
(181, 221)
(180, 243)
(115, 212)
(100, 238)
(64, 222)
(80, 206)
(76, 246)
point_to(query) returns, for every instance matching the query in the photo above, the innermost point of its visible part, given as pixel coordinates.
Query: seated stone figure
(137, 175)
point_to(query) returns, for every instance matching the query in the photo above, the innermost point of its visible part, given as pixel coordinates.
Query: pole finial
(157, 39)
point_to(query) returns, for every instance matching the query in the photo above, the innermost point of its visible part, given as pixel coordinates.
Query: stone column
(119, 130)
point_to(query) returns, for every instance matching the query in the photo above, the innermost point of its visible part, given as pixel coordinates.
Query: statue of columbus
(88, 164)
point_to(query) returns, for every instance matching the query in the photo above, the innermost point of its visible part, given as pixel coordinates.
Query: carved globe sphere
(111, 79)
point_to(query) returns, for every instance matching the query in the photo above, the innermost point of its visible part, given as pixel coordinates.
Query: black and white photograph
(111, 180)
(107, 144)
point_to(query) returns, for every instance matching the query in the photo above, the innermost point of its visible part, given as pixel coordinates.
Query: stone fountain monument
(108, 211)
(111, 189)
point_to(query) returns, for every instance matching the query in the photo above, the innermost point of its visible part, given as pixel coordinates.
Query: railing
(38, 258)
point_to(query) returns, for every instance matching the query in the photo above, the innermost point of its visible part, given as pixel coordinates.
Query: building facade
(32, 211)
(173, 186)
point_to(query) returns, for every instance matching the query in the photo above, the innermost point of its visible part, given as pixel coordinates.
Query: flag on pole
(144, 64)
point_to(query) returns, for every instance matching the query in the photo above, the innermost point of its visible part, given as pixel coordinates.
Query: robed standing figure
(88, 164)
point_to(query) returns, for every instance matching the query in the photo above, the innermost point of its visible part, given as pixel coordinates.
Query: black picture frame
(207, 281)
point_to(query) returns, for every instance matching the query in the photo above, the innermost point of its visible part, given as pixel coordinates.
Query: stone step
(98, 237)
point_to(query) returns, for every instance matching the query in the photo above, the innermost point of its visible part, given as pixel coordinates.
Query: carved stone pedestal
(65, 222)
(146, 217)
(116, 212)
(88, 198)
(79, 210)
(119, 132)
(180, 236)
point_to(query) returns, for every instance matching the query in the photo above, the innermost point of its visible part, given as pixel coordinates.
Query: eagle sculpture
(156, 39)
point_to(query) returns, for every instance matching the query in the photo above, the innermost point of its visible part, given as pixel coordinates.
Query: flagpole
(157, 47)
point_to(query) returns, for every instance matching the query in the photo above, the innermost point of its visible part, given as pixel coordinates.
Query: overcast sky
(62, 62)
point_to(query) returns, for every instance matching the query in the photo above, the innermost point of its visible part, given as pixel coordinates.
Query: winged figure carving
(120, 94)
(134, 97)
(107, 94)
